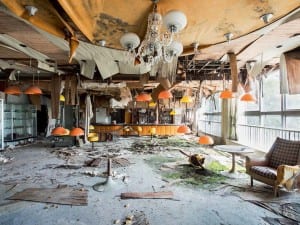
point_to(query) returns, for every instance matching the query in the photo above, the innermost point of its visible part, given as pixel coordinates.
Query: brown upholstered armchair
(279, 166)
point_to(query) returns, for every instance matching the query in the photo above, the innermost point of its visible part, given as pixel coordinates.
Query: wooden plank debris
(63, 196)
(147, 195)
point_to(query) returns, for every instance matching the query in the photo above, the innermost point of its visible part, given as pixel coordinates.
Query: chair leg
(251, 181)
(276, 192)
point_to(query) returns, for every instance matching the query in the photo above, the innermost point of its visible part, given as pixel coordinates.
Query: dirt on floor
(140, 166)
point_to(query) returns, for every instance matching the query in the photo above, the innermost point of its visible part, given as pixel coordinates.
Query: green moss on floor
(216, 166)
(185, 174)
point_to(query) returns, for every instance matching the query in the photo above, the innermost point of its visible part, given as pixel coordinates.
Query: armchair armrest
(286, 175)
(255, 162)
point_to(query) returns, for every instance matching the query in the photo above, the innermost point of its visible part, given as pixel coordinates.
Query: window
(292, 101)
(271, 98)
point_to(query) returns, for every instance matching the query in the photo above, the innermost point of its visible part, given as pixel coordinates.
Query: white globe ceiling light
(173, 50)
(175, 21)
(156, 46)
(130, 41)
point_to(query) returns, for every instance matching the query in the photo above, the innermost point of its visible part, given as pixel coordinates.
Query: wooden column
(225, 120)
(234, 71)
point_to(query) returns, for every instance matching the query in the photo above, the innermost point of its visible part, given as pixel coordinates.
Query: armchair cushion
(284, 152)
(265, 171)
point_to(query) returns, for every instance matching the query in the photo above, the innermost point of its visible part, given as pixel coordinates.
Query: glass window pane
(292, 101)
(292, 122)
(252, 120)
(271, 99)
(273, 121)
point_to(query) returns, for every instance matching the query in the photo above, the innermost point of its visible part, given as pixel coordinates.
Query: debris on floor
(62, 195)
(147, 195)
(4, 159)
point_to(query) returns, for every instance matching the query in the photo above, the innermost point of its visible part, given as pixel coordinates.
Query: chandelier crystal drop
(156, 46)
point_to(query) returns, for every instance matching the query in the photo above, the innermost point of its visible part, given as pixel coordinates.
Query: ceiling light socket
(266, 17)
(228, 36)
(31, 10)
(102, 43)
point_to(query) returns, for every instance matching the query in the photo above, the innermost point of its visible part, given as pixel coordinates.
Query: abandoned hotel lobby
(149, 112)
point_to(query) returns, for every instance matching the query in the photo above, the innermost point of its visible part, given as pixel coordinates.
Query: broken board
(63, 196)
(148, 195)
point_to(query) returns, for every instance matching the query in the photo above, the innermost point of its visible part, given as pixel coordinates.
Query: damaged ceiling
(46, 40)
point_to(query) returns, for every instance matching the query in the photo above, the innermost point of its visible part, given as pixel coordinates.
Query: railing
(263, 137)
(210, 127)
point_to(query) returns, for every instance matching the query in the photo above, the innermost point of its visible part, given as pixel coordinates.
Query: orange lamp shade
(186, 99)
(33, 90)
(143, 97)
(59, 131)
(13, 90)
(226, 94)
(205, 140)
(76, 132)
(183, 129)
(165, 95)
(247, 97)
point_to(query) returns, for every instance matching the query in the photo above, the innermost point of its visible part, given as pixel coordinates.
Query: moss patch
(185, 174)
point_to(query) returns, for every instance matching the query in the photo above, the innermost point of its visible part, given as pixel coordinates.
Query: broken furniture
(196, 160)
(233, 150)
(108, 183)
(279, 165)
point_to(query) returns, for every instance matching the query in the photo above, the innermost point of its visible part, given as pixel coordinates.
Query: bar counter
(133, 129)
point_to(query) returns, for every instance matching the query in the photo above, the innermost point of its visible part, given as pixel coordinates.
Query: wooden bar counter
(132, 129)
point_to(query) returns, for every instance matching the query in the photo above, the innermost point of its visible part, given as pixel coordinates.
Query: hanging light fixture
(156, 46)
(205, 140)
(143, 97)
(62, 98)
(186, 99)
(33, 89)
(13, 90)
(247, 97)
(152, 104)
(183, 129)
(60, 131)
(226, 94)
(173, 112)
(165, 94)
(76, 132)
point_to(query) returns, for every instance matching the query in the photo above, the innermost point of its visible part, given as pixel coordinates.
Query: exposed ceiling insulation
(56, 22)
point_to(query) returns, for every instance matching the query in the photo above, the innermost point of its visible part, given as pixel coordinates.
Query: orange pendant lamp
(165, 94)
(183, 129)
(13, 90)
(33, 90)
(76, 132)
(59, 131)
(205, 140)
(143, 97)
(226, 94)
(247, 97)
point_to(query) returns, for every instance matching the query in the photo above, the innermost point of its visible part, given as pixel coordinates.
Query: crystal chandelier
(156, 46)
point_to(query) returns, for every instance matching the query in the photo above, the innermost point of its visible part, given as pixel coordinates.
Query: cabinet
(1, 125)
(19, 122)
